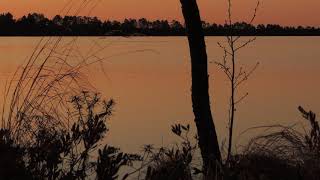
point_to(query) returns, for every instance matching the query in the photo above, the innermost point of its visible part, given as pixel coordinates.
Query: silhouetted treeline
(38, 25)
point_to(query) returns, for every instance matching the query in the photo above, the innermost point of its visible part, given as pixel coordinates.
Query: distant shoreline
(287, 35)
(35, 24)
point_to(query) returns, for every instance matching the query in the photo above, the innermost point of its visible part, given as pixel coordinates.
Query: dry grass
(40, 89)
(281, 153)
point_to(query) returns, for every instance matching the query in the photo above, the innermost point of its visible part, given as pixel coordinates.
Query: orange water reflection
(149, 78)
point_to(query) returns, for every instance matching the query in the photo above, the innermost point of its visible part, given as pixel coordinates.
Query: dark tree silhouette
(6, 23)
(35, 24)
(208, 140)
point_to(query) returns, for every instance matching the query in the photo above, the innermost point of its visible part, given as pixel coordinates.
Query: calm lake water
(149, 78)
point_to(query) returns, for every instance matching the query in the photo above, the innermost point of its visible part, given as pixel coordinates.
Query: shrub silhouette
(11, 165)
(110, 161)
(172, 163)
(66, 153)
(284, 153)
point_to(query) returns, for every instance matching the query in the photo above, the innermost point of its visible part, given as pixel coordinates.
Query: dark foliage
(172, 163)
(35, 24)
(66, 153)
(284, 153)
(11, 159)
(111, 160)
(260, 166)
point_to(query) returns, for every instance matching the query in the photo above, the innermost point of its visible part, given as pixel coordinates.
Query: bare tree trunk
(232, 98)
(208, 140)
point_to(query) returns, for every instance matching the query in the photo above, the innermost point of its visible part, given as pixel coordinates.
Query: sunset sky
(284, 12)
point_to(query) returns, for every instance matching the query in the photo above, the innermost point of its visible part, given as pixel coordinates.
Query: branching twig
(235, 76)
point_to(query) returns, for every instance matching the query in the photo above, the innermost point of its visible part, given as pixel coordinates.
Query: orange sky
(285, 12)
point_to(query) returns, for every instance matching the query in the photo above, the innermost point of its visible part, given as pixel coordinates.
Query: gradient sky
(285, 12)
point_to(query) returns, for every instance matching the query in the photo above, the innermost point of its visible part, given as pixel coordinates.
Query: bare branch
(242, 98)
(230, 13)
(245, 44)
(255, 12)
(246, 75)
(224, 48)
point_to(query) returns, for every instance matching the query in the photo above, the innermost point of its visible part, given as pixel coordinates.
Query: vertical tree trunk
(208, 140)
